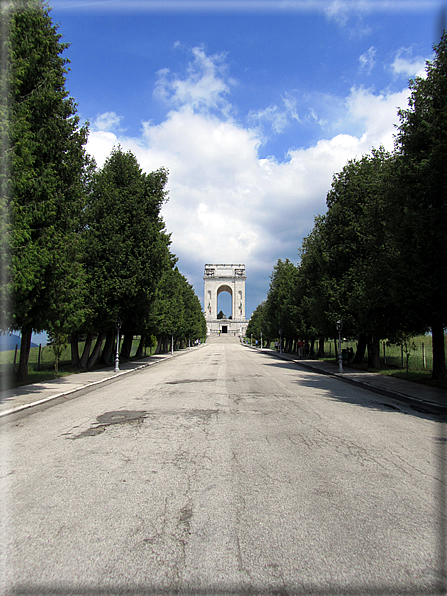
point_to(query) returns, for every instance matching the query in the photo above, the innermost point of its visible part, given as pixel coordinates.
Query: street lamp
(251, 339)
(280, 342)
(340, 359)
(117, 356)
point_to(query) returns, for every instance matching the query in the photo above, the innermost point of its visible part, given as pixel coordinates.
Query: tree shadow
(346, 391)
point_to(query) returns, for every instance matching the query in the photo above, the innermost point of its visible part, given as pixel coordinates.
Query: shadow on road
(337, 389)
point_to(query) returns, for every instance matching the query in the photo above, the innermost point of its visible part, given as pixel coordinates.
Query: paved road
(221, 471)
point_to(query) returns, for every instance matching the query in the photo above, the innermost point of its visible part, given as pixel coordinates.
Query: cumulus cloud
(376, 114)
(100, 143)
(226, 203)
(405, 64)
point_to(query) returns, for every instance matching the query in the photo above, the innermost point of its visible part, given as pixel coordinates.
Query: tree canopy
(46, 158)
(81, 247)
(377, 258)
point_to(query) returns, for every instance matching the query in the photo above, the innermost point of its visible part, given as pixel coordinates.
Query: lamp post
(340, 359)
(117, 356)
(280, 342)
(251, 339)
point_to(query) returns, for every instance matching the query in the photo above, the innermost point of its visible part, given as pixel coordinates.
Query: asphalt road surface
(221, 471)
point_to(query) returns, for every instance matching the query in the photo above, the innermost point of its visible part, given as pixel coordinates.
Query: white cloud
(107, 121)
(204, 87)
(100, 143)
(376, 114)
(226, 203)
(367, 61)
(405, 64)
(338, 10)
(277, 118)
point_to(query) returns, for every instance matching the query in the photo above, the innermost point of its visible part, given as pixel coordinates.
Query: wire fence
(417, 351)
(42, 358)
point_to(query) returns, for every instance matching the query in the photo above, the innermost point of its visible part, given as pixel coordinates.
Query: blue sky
(252, 105)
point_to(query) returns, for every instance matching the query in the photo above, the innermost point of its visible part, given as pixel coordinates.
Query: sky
(252, 106)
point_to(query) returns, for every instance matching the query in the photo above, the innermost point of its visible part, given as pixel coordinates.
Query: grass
(45, 370)
(420, 360)
(416, 376)
(393, 362)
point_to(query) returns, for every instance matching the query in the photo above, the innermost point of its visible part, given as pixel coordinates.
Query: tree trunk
(158, 347)
(126, 347)
(320, 347)
(312, 347)
(25, 345)
(336, 348)
(96, 351)
(360, 352)
(140, 349)
(439, 370)
(373, 352)
(86, 352)
(74, 342)
(108, 348)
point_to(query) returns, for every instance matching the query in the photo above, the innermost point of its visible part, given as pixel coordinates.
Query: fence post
(38, 357)
(424, 357)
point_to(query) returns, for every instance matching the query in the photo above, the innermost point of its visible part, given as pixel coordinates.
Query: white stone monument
(225, 278)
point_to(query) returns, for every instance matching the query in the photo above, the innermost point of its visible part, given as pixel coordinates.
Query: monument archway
(220, 278)
(225, 289)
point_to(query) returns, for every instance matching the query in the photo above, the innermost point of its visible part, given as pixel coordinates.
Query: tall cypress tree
(46, 171)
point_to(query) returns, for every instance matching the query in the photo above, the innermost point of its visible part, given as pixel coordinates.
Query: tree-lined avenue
(225, 470)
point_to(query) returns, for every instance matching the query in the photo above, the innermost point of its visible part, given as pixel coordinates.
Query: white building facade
(229, 278)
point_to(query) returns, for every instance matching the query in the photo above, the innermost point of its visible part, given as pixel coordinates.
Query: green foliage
(311, 293)
(280, 307)
(58, 343)
(359, 261)
(126, 247)
(79, 247)
(258, 323)
(47, 158)
(420, 215)
(377, 258)
(176, 310)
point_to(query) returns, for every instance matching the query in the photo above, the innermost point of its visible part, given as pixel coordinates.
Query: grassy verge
(416, 376)
(45, 371)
